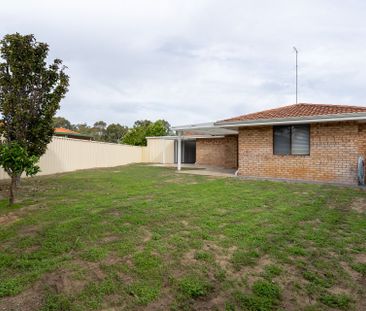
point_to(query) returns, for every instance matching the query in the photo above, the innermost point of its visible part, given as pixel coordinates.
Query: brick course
(334, 149)
(221, 152)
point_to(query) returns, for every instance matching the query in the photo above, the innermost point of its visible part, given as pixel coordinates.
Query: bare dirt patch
(8, 219)
(213, 302)
(360, 258)
(63, 281)
(28, 300)
(293, 298)
(12, 217)
(314, 222)
(30, 230)
(147, 236)
(352, 273)
(252, 273)
(359, 205)
(188, 258)
(110, 238)
(163, 303)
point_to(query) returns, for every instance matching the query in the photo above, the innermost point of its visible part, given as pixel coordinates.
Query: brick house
(308, 142)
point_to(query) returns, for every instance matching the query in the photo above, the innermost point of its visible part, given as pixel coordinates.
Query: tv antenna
(296, 52)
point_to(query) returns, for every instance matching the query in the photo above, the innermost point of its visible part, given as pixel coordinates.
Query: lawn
(136, 237)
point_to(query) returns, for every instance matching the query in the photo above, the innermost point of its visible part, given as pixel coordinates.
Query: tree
(143, 128)
(83, 128)
(30, 95)
(115, 132)
(99, 130)
(158, 128)
(62, 122)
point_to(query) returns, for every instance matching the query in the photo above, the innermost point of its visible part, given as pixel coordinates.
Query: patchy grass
(137, 237)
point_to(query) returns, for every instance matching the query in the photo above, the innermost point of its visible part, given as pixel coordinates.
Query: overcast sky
(192, 61)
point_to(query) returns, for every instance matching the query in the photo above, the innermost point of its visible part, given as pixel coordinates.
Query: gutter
(189, 137)
(315, 119)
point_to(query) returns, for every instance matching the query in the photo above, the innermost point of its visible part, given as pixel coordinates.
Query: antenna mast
(296, 52)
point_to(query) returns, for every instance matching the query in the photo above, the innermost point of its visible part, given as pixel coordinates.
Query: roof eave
(309, 119)
(184, 137)
(193, 126)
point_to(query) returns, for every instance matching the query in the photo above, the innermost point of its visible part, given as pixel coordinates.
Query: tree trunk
(13, 184)
(17, 184)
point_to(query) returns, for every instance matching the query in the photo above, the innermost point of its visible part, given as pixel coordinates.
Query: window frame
(290, 153)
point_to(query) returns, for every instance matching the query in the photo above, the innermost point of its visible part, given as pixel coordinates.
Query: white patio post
(179, 160)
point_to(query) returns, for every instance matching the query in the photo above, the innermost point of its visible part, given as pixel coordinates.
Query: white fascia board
(315, 119)
(206, 128)
(194, 126)
(190, 137)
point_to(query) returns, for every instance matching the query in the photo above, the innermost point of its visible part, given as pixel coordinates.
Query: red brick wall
(221, 152)
(334, 149)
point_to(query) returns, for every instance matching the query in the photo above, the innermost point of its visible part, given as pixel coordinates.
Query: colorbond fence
(66, 154)
(159, 150)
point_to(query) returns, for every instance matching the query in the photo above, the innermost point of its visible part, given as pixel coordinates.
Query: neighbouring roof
(297, 111)
(61, 131)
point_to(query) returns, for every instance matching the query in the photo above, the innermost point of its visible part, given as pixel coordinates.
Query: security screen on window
(293, 139)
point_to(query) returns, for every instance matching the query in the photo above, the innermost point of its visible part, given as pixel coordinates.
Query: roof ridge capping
(297, 111)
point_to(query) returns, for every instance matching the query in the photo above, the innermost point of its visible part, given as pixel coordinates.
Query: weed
(271, 271)
(244, 258)
(360, 267)
(266, 289)
(336, 301)
(194, 287)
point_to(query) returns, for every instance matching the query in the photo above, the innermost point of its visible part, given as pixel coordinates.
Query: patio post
(179, 160)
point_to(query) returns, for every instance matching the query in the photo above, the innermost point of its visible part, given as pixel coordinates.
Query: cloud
(196, 61)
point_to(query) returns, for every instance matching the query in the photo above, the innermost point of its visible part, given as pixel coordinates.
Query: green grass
(138, 237)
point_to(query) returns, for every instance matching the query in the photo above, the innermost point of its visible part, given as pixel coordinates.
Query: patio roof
(207, 129)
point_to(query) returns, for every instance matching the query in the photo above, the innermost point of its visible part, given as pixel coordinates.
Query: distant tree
(115, 132)
(83, 128)
(62, 122)
(30, 95)
(145, 128)
(158, 128)
(142, 123)
(98, 130)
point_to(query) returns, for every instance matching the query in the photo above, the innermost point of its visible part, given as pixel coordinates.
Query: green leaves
(145, 128)
(30, 92)
(15, 160)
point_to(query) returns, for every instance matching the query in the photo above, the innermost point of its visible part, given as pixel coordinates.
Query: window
(293, 140)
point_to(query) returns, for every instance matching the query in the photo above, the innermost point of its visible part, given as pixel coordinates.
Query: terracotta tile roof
(297, 111)
(65, 131)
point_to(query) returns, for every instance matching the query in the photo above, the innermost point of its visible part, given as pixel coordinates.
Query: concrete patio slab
(202, 170)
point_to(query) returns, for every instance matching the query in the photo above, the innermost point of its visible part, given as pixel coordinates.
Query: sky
(193, 61)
